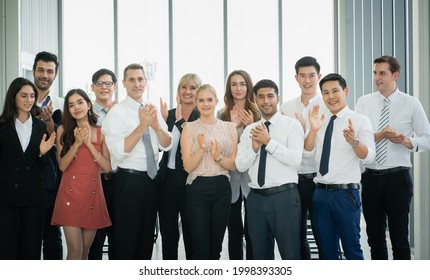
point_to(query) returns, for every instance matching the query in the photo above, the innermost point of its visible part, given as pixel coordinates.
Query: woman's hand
(46, 144)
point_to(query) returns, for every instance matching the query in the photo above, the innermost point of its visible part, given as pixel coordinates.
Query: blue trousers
(337, 216)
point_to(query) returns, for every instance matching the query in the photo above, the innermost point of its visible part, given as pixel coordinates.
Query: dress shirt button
(68, 203)
(70, 189)
(95, 178)
(73, 177)
(16, 185)
(92, 207)
(94, 192)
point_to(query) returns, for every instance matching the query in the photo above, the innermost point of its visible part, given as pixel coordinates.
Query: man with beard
(45, 69)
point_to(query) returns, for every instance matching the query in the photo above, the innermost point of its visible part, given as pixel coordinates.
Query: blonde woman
(208, 151)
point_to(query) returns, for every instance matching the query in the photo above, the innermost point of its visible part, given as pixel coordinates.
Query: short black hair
(47, 57)
(307, 61)
(265, 83)
(333, 77)
(102, 72)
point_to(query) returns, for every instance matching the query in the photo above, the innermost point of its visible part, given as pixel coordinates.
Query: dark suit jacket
(21, 182)
(179, 165)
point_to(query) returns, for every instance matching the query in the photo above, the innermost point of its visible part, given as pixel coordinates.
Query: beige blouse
(224, 133)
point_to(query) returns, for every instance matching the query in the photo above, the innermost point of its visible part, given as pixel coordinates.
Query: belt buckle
(377, 172)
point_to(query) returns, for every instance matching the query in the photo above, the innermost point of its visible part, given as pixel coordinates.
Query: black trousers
(52, 241)
(237, 228)
(96, 249)
(135, 215)
(306, 189)
(172, 203)
(208, 209)
(21, 233)
(387, 198)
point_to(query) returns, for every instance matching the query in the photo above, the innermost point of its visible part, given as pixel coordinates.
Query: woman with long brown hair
(80, 206)
(240, 108)
(23, 148)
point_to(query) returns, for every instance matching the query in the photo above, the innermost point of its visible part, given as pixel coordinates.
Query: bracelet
(74, 151)
(218, 159)
(98, 157)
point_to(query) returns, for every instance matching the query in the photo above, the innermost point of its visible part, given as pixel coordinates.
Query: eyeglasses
(107, 84)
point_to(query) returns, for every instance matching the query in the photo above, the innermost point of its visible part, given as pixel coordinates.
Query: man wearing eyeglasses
(104, 87)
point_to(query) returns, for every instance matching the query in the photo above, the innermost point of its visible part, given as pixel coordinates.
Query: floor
(157, 253)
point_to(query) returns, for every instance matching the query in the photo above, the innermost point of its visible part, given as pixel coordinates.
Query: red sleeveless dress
(80, 200)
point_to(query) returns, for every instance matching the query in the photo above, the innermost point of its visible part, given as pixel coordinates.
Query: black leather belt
(274, 190)
(307, 176)
(352, 186)
(108, 176)
(377, 172)
(134, 172)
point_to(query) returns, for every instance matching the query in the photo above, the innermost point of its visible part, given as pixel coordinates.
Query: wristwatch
(355, 143)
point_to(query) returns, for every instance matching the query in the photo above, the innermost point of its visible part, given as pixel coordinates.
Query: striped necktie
(381, 145)
(45, 102)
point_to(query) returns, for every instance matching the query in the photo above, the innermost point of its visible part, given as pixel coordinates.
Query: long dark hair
(69, 123)
(250, 98)
(10, 110)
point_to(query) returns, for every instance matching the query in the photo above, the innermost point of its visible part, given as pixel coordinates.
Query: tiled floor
(157, 253)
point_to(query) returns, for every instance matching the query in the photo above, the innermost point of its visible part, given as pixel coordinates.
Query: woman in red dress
(80, 206)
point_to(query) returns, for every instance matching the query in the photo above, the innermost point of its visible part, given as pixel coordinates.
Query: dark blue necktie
(262, 163)
(325, 156)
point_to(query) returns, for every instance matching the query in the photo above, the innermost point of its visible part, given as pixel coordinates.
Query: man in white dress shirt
(104, 87)
(339, 141)
(307, 76)
(273, 203)
(134, 187)
(387, 183)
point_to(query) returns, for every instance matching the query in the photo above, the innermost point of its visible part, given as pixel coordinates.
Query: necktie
(381, 146)
(151, 165)
(262, 163)
(45, 102)
(325, 156)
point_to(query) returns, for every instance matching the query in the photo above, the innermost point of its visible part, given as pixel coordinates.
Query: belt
(134, 172)
(352, 186)
(274, 190)
(108, 176)
(377, 172)
(307, 176)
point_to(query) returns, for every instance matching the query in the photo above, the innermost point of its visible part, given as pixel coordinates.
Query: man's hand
(315, 122)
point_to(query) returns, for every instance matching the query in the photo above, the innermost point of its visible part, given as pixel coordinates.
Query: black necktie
(262, 163)
(325, 156)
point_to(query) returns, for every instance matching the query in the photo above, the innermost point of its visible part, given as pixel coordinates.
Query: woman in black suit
(172, 174)
(23, 145)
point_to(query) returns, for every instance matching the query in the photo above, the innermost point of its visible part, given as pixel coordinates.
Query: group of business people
(284, 166)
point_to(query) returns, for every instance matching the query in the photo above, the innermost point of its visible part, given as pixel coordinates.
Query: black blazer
(179, 165)
(21, 182)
